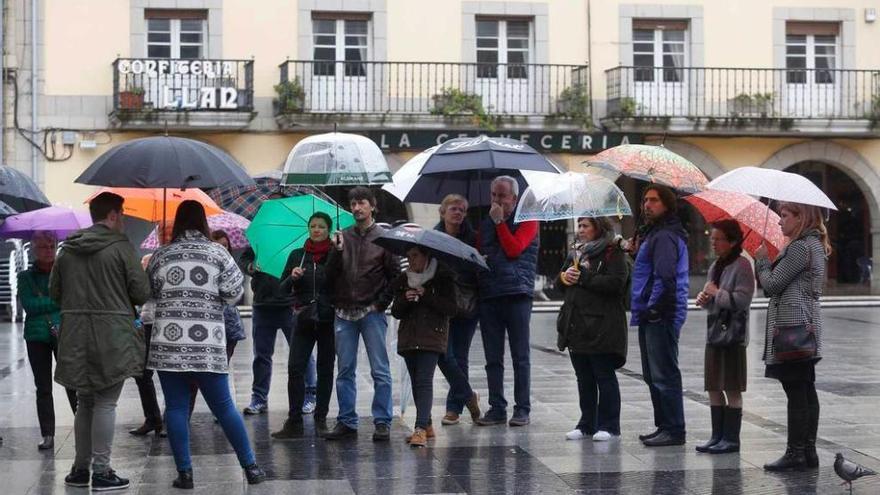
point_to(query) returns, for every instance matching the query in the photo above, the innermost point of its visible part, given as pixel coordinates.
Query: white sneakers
(600, 436)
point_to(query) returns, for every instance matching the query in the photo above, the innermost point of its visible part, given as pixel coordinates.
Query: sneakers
(340, 432)
(256, 407)
(108, 481)
(429, 434)
(291, 429)
(473, 406)
(254, 474)
(575, 434)
(491, 418)
(602, 436)
(78, 478)
(450, 418)
(419, 438)
(308, 406)
(382, 433)
(519, 419)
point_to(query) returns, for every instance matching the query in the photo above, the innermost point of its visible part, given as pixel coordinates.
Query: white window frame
(341, 43)
(657, 52)
(502, 47)
(811, 57)
(175, 42)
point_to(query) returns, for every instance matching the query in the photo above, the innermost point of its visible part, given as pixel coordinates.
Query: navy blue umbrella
(442, 246)
(485, 154)
(165, 162)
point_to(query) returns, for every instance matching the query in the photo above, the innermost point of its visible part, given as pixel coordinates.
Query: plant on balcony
(451, 102)
(752, 105)
(574, 103)
(131, 99)
(291, 97)
(874, 111)
(624, 107)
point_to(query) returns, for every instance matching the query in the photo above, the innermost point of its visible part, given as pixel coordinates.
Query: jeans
(93, 428)
(598, 393)
(40, 357)
(215, 390)
(421, 365)
(454, 364)
(146, 389)
(372, 328)
(267, 321)
(658, 343)
(305, 338)
(508, 315)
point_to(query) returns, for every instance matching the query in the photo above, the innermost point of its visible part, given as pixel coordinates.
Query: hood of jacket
(93, 239)
(670, 222)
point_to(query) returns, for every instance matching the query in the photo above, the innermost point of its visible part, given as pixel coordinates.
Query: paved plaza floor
(469, 459)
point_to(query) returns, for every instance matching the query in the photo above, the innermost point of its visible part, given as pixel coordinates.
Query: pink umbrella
(234, 226)
(756, 220)
(60, 220)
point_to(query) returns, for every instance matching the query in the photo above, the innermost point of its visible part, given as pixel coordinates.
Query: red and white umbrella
(758, 222)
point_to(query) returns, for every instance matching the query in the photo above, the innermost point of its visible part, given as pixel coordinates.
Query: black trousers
(306, 335)
(421, 366)
(803, 411)
(146, 388)
(40, 356)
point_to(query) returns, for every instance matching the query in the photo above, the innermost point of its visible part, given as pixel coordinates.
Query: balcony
(432, 95)
(716, 100)
(203, 94)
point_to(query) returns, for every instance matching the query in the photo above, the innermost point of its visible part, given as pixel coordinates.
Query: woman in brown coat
(424, 301)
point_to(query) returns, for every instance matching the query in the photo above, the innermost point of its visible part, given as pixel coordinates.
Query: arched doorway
(849, 228)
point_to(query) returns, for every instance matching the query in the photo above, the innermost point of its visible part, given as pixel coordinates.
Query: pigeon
(849, 471)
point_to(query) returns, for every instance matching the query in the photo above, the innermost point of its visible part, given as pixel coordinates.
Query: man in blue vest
(506, 293)
(659, 309)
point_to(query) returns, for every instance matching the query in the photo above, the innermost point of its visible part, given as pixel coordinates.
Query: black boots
(810, 455)
(717, 428)
(291, 429)
(184, 480)
(793, 459)
(732, 425)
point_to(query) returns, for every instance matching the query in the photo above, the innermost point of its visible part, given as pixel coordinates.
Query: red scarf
(317, 249)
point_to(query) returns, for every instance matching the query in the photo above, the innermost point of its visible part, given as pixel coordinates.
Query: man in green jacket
(97, 280)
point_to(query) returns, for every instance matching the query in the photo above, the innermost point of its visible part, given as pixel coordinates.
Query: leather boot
(184, 480)
(732, 425)
(810, 455)
(793, 459)
(718, 414)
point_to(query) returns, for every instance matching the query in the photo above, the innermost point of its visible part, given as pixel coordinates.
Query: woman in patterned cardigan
(794, 282)
(191, 279)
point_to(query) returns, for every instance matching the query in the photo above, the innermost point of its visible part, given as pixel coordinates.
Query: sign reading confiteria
(551, 142)
(166, 77)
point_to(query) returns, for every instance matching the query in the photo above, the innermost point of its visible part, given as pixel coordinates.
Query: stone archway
(854, 165)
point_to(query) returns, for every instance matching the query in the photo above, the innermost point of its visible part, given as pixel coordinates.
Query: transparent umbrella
(336, 159)
(572, 195)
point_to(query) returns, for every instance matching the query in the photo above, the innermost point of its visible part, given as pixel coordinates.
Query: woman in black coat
(424, 301)
(313, 308)
(592, 325)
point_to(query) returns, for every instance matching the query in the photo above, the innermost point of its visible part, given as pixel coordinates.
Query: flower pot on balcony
(131, 100)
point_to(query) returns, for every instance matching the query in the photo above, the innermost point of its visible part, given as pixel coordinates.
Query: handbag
(794, 343)
(727, 328)
(465, 301)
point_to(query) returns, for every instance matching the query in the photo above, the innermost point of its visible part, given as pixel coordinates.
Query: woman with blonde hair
(794, 282)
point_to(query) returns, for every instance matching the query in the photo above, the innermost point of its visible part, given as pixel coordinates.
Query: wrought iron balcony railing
(722, 93)
(180, 85)
(439, 88)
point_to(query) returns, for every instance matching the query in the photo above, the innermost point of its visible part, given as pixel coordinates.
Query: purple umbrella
(60, 220)
(234, 225)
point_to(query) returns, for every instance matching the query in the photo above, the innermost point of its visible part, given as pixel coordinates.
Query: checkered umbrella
(246, 200)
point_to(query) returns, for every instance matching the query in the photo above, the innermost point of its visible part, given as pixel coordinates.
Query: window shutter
(176, 14)
(671, 24)
(814, 28)
(348, 16)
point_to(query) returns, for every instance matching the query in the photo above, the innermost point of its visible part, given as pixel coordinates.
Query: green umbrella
(281, 225)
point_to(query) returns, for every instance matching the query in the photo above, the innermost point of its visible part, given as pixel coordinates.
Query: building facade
(786, 84)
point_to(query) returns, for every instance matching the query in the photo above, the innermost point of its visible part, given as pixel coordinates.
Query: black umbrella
(19, 192)
(440, 245)
(6, 210)
(165, 162)
(485, 153)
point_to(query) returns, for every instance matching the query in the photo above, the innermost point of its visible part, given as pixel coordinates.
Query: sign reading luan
(184, 84)
(550, 142)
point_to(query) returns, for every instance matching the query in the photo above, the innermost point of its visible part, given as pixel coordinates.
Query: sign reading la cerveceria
(164, 78)
(550, 142)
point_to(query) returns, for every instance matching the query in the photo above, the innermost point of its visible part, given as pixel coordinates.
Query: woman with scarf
(306, 280)
(424, 301)
(592, 325)
(730, 289)
(794, 282)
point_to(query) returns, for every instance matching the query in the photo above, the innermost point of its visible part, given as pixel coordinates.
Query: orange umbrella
(147, 203)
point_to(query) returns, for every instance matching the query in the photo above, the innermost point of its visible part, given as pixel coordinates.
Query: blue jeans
(215, 390)
(658, 343)
(267, 321)
(508, 316)
(598, 392)
(372, 328)
(454, 365)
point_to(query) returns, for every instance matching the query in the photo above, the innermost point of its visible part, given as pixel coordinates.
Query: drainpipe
(34, 75)
(2, 82)
(590, 59)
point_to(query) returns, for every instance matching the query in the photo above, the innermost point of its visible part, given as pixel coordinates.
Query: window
(660, 44)
(503, 42)
(811, 46)
(344, 40)
(176, 34)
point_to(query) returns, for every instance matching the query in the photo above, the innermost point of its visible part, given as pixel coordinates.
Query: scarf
(317, 249)
(595, 247)
(417, 280)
